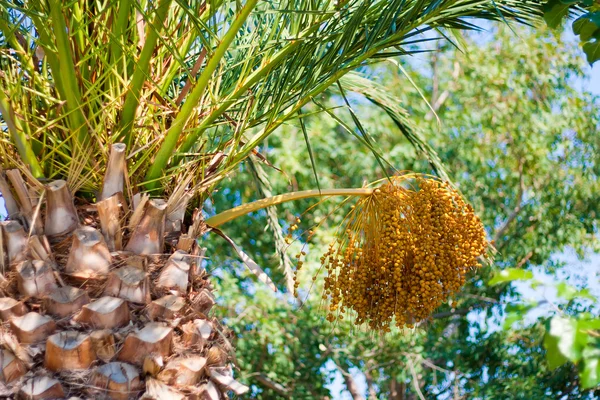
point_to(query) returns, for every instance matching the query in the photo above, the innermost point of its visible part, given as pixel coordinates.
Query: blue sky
(593, 85)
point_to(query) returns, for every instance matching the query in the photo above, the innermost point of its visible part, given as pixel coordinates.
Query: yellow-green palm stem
(118, 29)
(11, 38)
(244, 209)
(251, 80)
(183, 116)
(66, 69)
(141, 71)
(19, 137)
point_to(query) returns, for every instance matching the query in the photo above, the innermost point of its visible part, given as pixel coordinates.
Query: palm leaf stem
(166, 149)
(19, 138)
(244, 209)
(141, 72)
(68, 73)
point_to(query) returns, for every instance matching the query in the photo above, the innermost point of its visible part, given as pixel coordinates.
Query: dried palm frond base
(84, 318)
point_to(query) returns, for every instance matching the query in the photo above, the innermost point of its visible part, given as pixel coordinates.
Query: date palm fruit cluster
(91, 305)
(406, 249)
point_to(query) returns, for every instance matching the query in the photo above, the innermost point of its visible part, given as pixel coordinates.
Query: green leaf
(511, 274)
(590, 375)
(561, 342)
(553, 355)
(566, 291)
(591, 352)
(535, 284)
(586, 294)
(582, 336)
(588, 28)
(516, 312)
(511, 318)
(309, 148)
(587, 25)
(592, 49)
(377, 94)
(555, 11)
(589, 324)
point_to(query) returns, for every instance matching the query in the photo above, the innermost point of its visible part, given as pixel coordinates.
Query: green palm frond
(194, 88)
(377, 94)
(263, 188)
(176, 79)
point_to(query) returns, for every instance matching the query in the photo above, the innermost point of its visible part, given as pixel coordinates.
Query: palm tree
(119, 119)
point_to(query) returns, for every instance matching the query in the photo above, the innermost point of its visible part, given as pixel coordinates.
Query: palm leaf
(381, 97)
(264, 62)
(264, 191)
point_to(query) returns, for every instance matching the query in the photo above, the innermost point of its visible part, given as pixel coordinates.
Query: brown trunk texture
(82, 318)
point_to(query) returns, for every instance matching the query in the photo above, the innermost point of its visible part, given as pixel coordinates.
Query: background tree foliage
(519, 141)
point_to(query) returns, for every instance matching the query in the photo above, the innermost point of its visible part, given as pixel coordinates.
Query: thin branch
(437, 101)
(482, 298)
(524, 259)
(455, 390)
(381, 365)
(370, 386)
(350, 382)
(415, 379)
(519, 206)
(431, 365)
(270, 384)
(445, 314)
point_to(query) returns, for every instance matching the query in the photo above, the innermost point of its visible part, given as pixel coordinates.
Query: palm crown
(193, 89)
